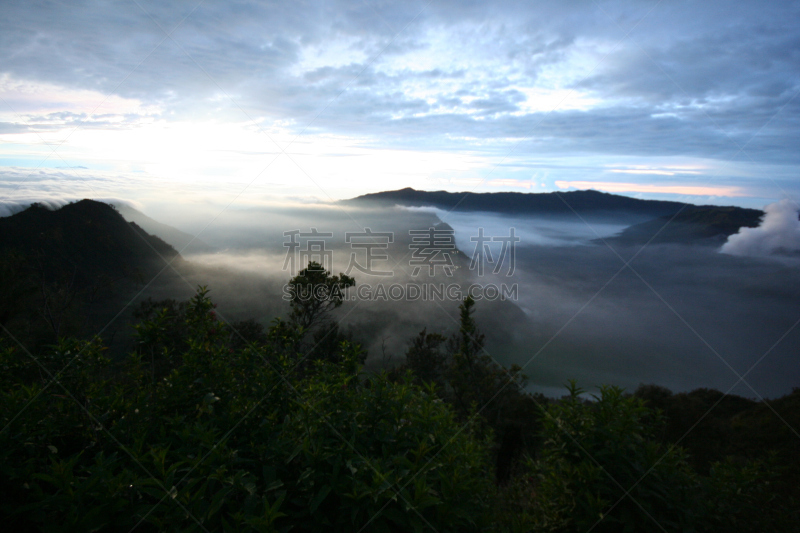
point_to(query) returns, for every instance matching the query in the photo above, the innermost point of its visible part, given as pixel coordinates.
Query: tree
(228, 442)
(479, 383)
(427, 359)
(466, 376)
(314, 293)
(594, 452)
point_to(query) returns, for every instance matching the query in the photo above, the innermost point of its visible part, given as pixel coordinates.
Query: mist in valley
(679, 315)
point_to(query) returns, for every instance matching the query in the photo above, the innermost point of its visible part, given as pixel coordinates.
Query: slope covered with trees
(67, 272)
(708, 224)
(589, 202)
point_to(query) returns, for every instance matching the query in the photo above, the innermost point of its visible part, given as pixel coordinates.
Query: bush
(194, 432)
(602, 469)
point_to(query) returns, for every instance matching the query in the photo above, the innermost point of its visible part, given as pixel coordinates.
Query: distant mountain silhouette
(83, 241)
(588, 202)
(687, 222)
(180, 240)
(704, 224)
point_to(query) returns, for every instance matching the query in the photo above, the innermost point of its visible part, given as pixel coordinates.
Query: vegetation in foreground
(215, 427)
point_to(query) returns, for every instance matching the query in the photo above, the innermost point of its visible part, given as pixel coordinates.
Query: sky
(248, 102)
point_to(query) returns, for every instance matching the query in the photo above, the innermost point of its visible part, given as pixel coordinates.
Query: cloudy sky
(244, 101)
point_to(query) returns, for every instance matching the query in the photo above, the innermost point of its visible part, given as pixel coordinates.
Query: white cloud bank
(779, 232)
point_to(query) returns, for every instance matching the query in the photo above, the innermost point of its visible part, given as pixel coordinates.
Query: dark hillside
(73, 270)
(707, 224)
(84, 240)
(687, 223)
(554, 203)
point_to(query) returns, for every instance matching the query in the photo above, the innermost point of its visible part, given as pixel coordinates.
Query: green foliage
(467, 377)
(208, 426)
(707, 413)
(745, 450)
(477, 381)
(742, 496)
(386, 454)
(601, 469)
(325, 343)
(315, 293)
(427, 359)
(230, 438)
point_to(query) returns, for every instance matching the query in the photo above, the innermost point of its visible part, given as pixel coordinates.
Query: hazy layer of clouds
(682, 316)
(554, 231)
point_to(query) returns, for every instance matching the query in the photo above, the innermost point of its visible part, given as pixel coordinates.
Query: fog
(555, 231)
(778, 233)
(12, 207)
(682, 316)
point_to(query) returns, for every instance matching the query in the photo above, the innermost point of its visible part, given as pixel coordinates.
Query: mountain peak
(88, 237)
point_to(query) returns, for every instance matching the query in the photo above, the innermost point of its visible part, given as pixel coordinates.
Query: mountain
(180, 240)
(671, 222)
(81, 242)
(78, 271)
(704, 224)
(587, 202)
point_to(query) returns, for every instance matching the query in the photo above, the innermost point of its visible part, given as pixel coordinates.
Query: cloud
(779, 232)
(12, 207)
(670, 170)
(644, 79)
(526, 184)
(616, 187)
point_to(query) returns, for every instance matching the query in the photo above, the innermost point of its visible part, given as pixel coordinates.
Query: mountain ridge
(667, 221)
(699, 224)
(180, 240)
(560, 203)
(88, 237)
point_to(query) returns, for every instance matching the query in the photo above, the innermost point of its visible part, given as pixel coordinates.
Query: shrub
(229, 439)
(602, 469)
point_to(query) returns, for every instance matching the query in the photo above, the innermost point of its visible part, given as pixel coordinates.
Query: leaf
(276, 484)
(210, 398)
(319, 498)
